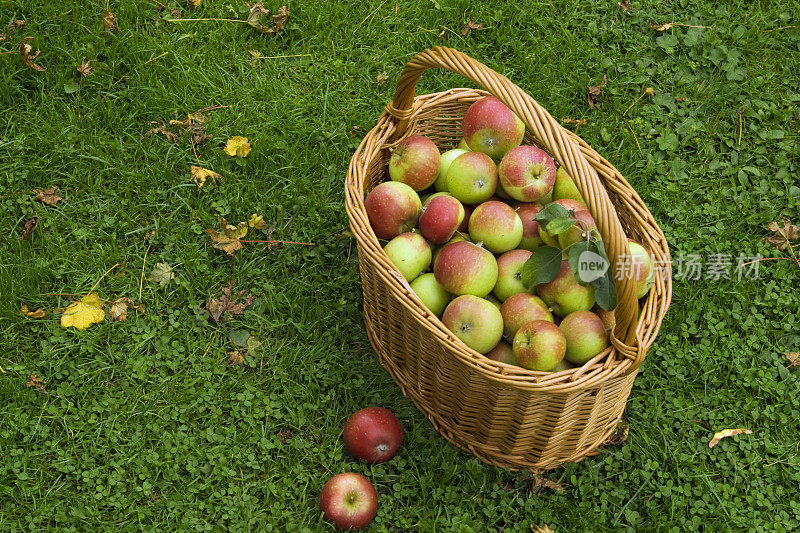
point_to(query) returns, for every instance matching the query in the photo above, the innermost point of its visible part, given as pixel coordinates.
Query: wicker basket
(503, 414)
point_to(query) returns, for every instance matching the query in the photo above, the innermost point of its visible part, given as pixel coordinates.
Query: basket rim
(613, 362)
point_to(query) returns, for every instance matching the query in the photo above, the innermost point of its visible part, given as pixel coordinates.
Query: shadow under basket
(503, 414)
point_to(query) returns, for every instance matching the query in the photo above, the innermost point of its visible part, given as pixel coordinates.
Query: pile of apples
(502, 229)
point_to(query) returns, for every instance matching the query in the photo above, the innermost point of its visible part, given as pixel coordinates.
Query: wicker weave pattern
(503, 414)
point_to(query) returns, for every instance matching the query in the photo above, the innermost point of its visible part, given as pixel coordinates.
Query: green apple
(462, 144)
(641, 268)
(475, 321)
(564, 295)
(441, 180)
(509, 274)
(410, 253)
(585, 334)
(539, 345)
(472, 178)
(503, 353)
(566, 188)
(496, 225)
(431, 293)
(530, 228)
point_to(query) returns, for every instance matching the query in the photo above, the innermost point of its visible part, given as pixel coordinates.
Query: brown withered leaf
(198, 132)
(236, 358)
(593, 92)
(469, 26)
(47, 196)
(200, 175)
(161, 128)
(781, 236)
(625, 5)
(576, 121)
(279, 19)
(27, 230)
(793, 357)
(119, 309)
(228, 239)
(109, 21)
(36, 381)
(221, 309)
(544, 528)
(25, 50)
(539, 483)
(15, 25)
(620, 433)
(662, 27)
(719, 435)
(355, 130)
(86, 68)
(381, 79)
(39, 313)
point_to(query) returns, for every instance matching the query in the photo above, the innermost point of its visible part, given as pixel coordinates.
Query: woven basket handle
(555, 140)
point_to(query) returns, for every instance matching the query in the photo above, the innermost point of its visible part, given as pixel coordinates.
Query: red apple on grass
(586, 336)
(465, 268)
(530, 228)
(431, 293)
(410, 253)
(522, 309)
(564, 295)
(472, 177)
(527, 173)
(503, 353)
(441, 179)
(440, 218)
(415, 162)
(373, 434)
(349, 501)
(539, 345)
(509, 274)
(641, 268)
(475, 321)
(496, 225)
(393, 208)
(492, 128)
(565, 187)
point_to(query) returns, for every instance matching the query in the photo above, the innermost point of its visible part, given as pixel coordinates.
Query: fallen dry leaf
(576, 121)
(25, 52)
(221, 309)
(625, 5)
(794, 358)
(83, 313)
(237, 145)
(542, 529)
(39, 313)
(620, 433)
(198, 133)
(718, 436)
(228, 238)
(278, 20)
(593, 92)
(15, 25)
(257, 222)
(236, 358)
(200, 175)
(196, 3)
(86, 68)
(381, 79)
(662, 27)
(252, 345)
(162, 274)
(47, 196)
(355, 130)
(469, 26)
(781, 236)
(119, 309)
(27, 230)
(36, 381)
(650, 91)
(109, 22)
(161, 128)
(539, 483)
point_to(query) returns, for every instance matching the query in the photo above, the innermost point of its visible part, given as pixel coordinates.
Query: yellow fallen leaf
(84, 312)
(39, 313)
(718, 436)
(257, 222)
(200, 175)
(650, 91)
(228, 238)
(196, 3)
(237, 145)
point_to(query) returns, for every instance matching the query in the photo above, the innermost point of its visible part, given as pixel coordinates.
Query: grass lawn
(144, 424)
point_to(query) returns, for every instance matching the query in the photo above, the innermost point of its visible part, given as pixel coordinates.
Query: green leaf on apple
(605, 292)
(575, 252)
(559, 225)
(551, 212)
(541, 267)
